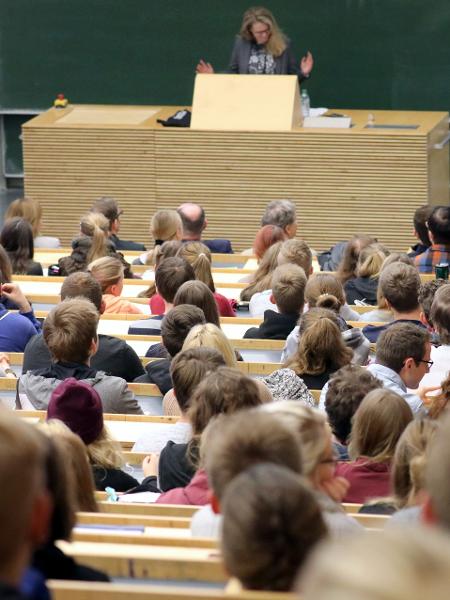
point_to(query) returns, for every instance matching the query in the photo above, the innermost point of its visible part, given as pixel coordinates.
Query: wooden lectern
(246, 102)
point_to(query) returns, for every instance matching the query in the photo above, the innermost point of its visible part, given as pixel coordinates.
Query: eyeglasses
(430, 363)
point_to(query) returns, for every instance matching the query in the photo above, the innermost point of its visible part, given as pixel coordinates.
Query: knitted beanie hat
(78, 405)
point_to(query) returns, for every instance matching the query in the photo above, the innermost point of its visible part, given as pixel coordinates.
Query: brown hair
(199, 256)
(347, 266)
(233, 446)
(421, 216)
(271, 523)
(27, 209)
(266, 237)
(378, 424)
(439, 224)
(211, 336)
(370, 260)
(83, 285)
(262, 278)
(399, 284)
(440, 313)
(108, 207)
(346, 390)
(437, 471)
(410, 458)
(198, 294)
(76, 460)
(297, 252)
(108, 271)
(399, 342)
(69, 330)
(288, 289)
(320, 285)
(22, 463)
(5, 266)
(160, 253)
(170, 275)
(16, 237)
(188, 369)
(95, 226)
(394, 257)
(427, 291)
(321, 346)
(177, 323)
(276, 44)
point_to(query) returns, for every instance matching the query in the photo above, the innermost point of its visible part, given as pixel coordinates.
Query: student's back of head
(288, 289)
(70, 330)
(199, 294)
(370, 260)
(439, 225)
(16, 237)
(440, 313)
(281, 213)
(95, 227)
(82, 285)
(399, 284)
(199, 257)
(262, 279)
(420, 219)
(28, 209)
(266, 237)
(189, 368)
(109, 272)
(210, 336)
(166, 225)
(176, 325)
(170, 276)
(271, 523)
(347, 266)
(427, 292)
(437, 480)
(321, 284)
(297, 252)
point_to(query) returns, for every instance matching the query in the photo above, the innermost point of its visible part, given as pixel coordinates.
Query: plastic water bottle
(306, 104)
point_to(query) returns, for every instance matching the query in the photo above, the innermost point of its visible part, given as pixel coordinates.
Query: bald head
(194, 221)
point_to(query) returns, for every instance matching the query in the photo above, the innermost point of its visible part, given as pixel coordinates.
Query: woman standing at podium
(262, 48)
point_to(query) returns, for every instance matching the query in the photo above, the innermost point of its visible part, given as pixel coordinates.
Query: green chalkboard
(392, 54)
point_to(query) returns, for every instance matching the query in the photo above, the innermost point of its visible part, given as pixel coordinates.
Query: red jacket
(196, 492)
(367, 479)
(224, 306)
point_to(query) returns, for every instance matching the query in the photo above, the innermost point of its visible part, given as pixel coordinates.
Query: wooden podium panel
(246, 103)
(357, 180)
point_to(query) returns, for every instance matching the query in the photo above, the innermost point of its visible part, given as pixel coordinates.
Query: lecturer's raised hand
(204, 67)
(307, 63)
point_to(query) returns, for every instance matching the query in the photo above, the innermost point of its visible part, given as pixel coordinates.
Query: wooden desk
(343, 181)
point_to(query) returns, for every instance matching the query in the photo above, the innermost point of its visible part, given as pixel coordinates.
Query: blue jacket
(16, 329)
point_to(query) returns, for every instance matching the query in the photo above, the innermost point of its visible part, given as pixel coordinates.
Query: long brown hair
(321, 346)
(166, 250)
(347, 266)
(27, 209)
(262, 279)
(16, 238)
(198, 294)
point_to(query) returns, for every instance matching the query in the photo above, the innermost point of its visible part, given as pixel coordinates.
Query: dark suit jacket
(126, 245)
(219, 246)
(285, 64)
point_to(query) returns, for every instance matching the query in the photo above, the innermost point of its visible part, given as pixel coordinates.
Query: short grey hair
(280, 213)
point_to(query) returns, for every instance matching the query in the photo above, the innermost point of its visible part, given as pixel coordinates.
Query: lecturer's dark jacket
(285, 64)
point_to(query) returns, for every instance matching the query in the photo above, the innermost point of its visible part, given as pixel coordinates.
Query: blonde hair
(410, 459)
(321, 346)
(320, 285)
(105, 452)
(166, 225)
(95, 226)
(276, 43)
(212, 337)
(262, 279)
(370, 260)
(27, 209)
(297, 252)
(310, 426)
(378, 424)
(199, 256)
(108, 271)
(395, 564)
(76, 459)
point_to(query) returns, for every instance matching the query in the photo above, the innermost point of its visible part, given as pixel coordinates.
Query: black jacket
(114, 357)
(274, 327)
(77, 261)
(175, 468)
(54, 564)
(361, 288)
(158, 372)
(126, 245)
(115, 478)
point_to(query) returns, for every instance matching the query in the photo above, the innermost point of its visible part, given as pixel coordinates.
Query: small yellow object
(60, 101)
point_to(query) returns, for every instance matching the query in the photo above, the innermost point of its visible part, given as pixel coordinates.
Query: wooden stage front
(343, 181)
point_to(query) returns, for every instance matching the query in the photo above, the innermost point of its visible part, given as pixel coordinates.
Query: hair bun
(328, 301)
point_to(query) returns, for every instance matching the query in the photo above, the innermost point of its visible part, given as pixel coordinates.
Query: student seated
(70, 332)
(420, 219)
(108, 208)
(174, 328)
(271, 524)
(264, 238)
(262, 277)
(169, 276)
(346, 390)
(79, 407)
(288, 294)
(194, 223)
(165, 226)
(31, 210)
(377, 426)
(16, 329)
(399, 285)
(113, 356)
(225, 391)
(295, 252)
(108, 271)
(16, 237)
(187, 370)
(438, 225)
(320, 353)
(440, 317)
(427, 292)
(349, 260)
(364, 286)
(26, 510)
